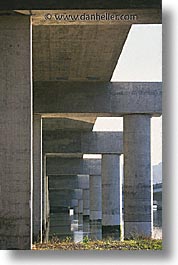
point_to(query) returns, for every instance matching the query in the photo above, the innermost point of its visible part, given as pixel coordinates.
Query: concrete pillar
(137, 176)
(45, 200)
(95, 198)
(46, 210)
(78, 209)
(83, 183)
(16, 132)
(37, 178)
(86, 203)
(111, 197)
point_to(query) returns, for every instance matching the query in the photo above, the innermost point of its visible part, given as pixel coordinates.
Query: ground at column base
(111, 232)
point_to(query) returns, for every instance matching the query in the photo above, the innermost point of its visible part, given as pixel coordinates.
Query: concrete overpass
(49, 65)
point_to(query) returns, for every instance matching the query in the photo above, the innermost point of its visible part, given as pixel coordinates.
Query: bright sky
(141, 60)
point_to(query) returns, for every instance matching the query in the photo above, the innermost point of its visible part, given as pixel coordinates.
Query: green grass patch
(138, 244)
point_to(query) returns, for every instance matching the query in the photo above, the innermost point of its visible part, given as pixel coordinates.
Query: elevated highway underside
(58, 57)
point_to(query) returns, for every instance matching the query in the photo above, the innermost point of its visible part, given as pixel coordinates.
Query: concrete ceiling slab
(77, 52)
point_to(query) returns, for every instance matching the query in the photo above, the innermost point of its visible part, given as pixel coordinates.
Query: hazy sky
(141, 60)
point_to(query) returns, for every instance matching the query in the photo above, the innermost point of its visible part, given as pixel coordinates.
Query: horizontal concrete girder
(96, 17)
(98, 98)
(72, 166)
(66, 124)
(83, 142)
(79, 4)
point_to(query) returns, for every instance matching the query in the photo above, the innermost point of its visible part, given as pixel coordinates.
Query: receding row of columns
(137, 182)
(20, 152)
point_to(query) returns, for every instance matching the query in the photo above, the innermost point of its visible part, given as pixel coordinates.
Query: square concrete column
(86, 203)
(37, 178)
(83, 183)
(15, 131)
(45, 199)
(111, 197)
(138, 195)
(95, 207)
(95, 199)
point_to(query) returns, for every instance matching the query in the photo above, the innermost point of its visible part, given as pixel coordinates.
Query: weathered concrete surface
(111, 196)
(67, 124)
(80, 4)
(85, 52)
(102, 142)
(61, 195)
(83, 183)
(63, 181)
(15, 131)
(86, 202)
(73, 166)
(95, 198)
(37, 178)
(97, 17)
(45, 194)
(98, 98)
(138, 193)
(60, 141)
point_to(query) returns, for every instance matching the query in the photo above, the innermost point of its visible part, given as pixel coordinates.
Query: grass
(137, 244)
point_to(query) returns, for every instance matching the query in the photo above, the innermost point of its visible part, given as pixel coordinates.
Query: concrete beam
(97, 17)
(79, 4)
(72, 166)
(82, 142)
(66, 124)
(99, 98)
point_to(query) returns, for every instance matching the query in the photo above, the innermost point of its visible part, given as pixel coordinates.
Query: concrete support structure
(63, 141)
(45, 201)
(149, 6)
(74, 85)
(16, 132)
(95, 198)
(106, 98)
(37, 178)
(138, 192)
(86, 202)
(73, 166)
(61, 194)
(83, 183)
(111, 197)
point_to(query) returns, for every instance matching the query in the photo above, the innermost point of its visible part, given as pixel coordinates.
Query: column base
(37, 238)
(138, 229)
(111, 232)
(86, 218)
(96, 229)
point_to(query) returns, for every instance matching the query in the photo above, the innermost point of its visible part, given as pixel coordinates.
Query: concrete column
(137, 176)
(86, 203)
(37, 178)
(95, 198)
(83, 183)
(16, 132)
(45, 199)
(78, 194)
(95, 207)
(111, 196)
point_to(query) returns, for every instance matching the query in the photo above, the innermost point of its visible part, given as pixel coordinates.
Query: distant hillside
(157, 173)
